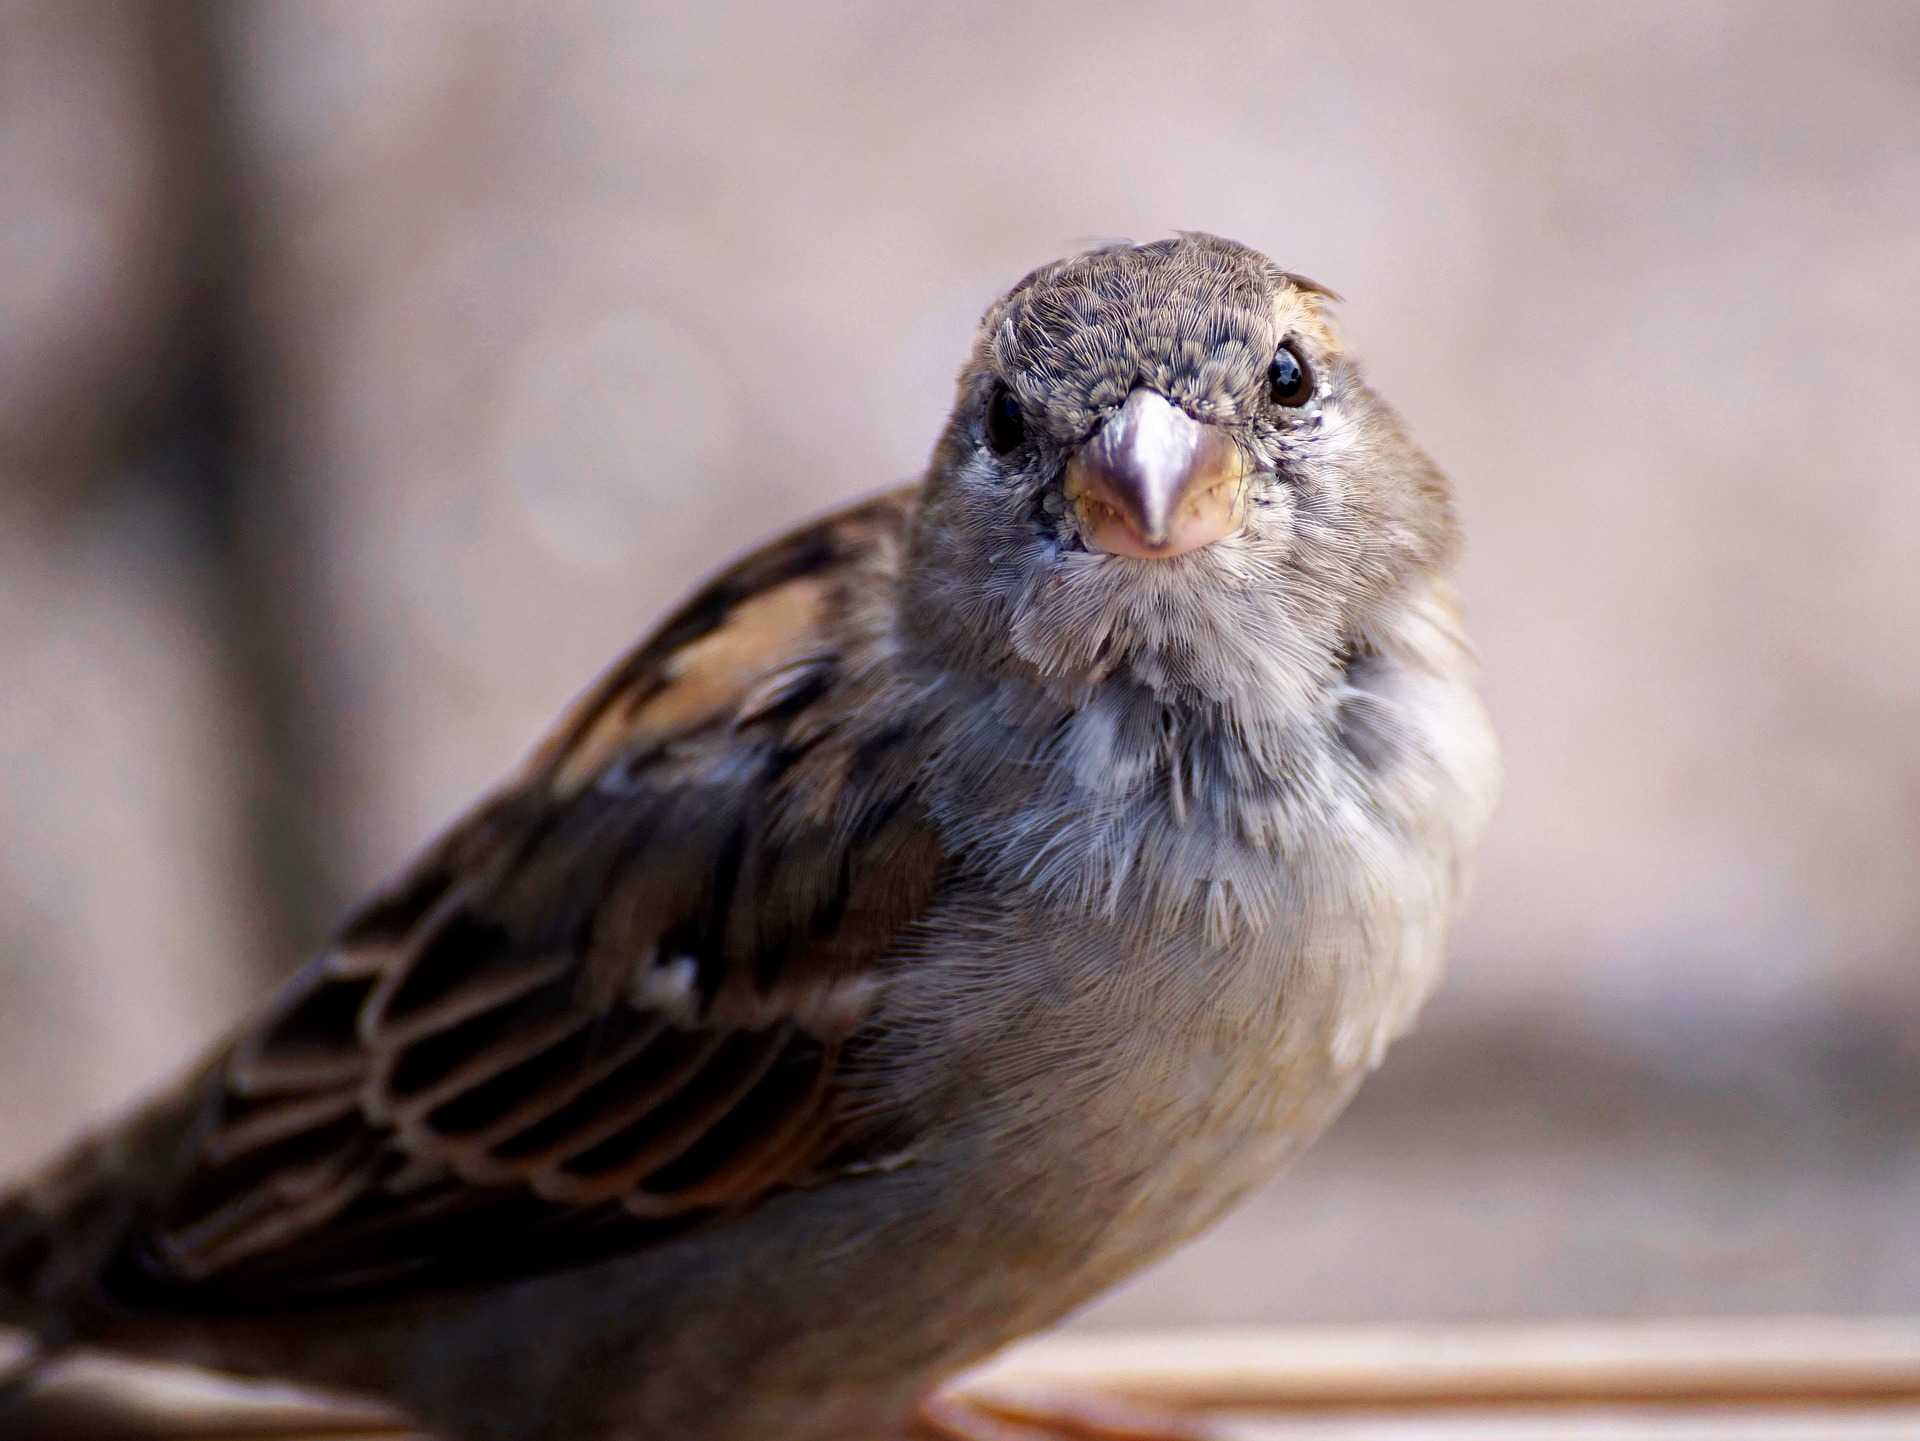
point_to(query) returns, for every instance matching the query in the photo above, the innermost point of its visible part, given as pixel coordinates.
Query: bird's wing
(615, 1000)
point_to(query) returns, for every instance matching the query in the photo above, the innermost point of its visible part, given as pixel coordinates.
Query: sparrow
(951, 908)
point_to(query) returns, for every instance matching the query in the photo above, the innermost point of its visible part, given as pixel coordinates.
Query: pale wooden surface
(1772, 1380)
(1786, 1360)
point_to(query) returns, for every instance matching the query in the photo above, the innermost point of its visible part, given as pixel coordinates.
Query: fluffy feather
(933, 921)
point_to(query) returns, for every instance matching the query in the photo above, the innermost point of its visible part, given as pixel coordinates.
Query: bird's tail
(59, 1235)
(21, 1366)
(28, 1333)
(60, 1229)
(51, 1236)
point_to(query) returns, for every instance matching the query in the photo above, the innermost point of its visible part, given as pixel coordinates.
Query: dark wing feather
(615, 1000)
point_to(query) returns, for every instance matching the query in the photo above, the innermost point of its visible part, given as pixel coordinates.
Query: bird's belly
(1144, 1097)
(1154, 1156)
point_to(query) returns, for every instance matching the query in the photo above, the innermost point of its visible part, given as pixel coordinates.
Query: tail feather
(22, 1360)
(29, 1247)
(25, 1348)
(60, 1229)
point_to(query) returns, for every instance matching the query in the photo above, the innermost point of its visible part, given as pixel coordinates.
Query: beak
(1154, 482)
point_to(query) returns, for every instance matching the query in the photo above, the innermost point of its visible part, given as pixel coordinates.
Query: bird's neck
(1315, 714)
(1110, 792)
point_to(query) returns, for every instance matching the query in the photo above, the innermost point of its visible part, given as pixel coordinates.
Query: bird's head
(1163, 464)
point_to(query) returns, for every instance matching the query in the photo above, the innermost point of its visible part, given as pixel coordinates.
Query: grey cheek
(1276, 499)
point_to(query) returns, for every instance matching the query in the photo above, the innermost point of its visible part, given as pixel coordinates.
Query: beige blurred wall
(539, 312)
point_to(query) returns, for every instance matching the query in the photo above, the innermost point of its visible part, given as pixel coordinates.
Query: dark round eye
(1289, 381)
(1006, 426)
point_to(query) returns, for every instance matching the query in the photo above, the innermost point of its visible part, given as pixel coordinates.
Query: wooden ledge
(1785, 1361)
(1788, 1379)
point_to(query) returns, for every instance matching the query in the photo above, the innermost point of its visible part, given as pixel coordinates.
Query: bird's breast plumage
(1199, 930)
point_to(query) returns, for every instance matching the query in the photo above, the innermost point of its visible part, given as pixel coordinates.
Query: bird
(953, 907)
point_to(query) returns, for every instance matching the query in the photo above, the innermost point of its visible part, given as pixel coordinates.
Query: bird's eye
(1006, 425)
(1289, 381)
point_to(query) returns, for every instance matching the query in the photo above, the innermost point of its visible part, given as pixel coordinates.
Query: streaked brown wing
(616, 999)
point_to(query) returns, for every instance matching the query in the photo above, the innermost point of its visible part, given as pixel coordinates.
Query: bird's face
(1163, 461)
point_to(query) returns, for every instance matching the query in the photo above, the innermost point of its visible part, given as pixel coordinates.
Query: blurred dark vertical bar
(203, 441)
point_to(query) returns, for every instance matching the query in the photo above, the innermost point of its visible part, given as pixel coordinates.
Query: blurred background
(370, 375)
